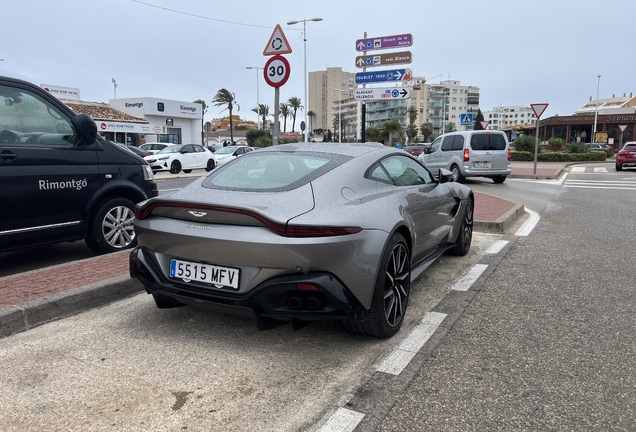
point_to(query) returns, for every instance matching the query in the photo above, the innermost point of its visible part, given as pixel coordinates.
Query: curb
(503, 223)
(33, 313)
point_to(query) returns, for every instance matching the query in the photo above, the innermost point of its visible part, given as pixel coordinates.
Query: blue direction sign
(466, 119)
(383, 76)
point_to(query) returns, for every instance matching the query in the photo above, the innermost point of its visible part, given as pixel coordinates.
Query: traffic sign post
(277, 43)
(403, 57)
(383, 76)
(276, 73)
(383, 93)
(622, 129)
(384, 42)
(466, 119)
(484, 124)
(538, 109)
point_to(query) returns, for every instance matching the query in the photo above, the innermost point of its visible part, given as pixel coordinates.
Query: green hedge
(548, 156)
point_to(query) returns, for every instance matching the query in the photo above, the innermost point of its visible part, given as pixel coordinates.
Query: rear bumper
(277, 298)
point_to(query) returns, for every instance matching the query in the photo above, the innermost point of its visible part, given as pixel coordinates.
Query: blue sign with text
(383, 76)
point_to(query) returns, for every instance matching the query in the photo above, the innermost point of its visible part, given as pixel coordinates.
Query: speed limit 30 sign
(276, 71)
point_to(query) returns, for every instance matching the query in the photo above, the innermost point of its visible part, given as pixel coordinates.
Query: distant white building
(447, 101)
(509, 116)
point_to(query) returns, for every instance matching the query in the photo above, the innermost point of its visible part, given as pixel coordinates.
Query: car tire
(499, 179)
(465, 235)
(457, 174)
(211, 165)
(111, 227)
(390, 294)
(619, 168)
(175, 167)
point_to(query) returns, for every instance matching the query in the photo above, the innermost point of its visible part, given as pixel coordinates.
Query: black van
(59, 180)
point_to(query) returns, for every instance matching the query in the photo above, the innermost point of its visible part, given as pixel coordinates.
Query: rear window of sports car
(272, 171)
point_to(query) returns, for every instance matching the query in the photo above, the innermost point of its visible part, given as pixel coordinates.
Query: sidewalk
(30, 299)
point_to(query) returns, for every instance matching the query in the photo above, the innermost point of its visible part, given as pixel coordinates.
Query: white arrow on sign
(383, 93)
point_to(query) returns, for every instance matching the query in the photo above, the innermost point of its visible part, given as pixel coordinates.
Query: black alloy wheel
(175, 167)
(465, 235)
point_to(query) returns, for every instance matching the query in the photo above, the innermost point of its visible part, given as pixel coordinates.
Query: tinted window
(488, 142)
(630, 147)
(405, 171)
(28, 120)
(268, 171)
(458, 142)
(447, 144)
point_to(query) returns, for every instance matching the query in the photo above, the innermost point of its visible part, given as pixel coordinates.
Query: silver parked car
(303, 232)
(477, 153)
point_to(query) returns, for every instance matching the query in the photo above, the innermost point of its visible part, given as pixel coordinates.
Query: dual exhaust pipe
(313, 302)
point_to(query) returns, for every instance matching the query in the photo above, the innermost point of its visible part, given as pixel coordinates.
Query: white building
(182, 120)
(509, 116)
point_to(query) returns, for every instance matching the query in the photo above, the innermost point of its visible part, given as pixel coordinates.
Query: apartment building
(325, 89)
(509, 116)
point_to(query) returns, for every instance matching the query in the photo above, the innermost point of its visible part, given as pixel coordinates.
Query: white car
(154, 147)
(179, 157)
(226, 154)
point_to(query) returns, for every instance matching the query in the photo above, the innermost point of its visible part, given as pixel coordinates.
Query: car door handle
(7, 156)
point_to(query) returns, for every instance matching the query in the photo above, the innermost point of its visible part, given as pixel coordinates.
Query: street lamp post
(258, 102)
(339, 115)
(598, 85)
(304, 21)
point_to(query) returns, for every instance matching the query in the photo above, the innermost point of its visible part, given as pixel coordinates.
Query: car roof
(346, 149)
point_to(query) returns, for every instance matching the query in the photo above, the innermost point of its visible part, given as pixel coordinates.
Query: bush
(263, 141)
(550, 156)
(577, 147)
(252, 135)
(525, 143)
(556, 143)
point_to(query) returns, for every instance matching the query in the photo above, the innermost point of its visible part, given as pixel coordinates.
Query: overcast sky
(517, 53)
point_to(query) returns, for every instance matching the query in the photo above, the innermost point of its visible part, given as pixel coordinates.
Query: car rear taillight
(282, 229)
(509, 154)
(306, 287)
(466, 155)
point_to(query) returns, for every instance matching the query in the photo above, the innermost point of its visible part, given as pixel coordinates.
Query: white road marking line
(497, 247)
(529, 225)
(343, 420)
(600, 170)
(600, 187)
(469, 279)
(395, 363)
(577, 169)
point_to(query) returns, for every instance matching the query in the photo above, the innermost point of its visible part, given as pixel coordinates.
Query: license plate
(204, 273)
(481, 165)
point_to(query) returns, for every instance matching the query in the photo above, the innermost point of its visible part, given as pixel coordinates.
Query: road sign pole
(276, 114)
(538, 110)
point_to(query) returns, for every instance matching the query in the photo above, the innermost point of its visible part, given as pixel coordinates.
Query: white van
(481, 153)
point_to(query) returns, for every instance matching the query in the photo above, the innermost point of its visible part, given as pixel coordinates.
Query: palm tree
(412, 113)
(204, 109)
(228, 99)
(391, 127)
(263, 111)
(294, 104)
(284, 113)
(311, 116)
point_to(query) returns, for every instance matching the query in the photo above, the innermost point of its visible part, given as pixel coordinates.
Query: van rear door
(488, 152)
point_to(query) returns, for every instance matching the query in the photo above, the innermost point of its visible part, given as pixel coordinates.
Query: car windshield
(171, 149)
(225, 150)
(269, 171)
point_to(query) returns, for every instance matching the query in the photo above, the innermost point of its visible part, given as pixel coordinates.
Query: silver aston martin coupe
(303, 232)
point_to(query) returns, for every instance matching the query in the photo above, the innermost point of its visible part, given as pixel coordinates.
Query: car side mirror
(444, 176)
(85, 127)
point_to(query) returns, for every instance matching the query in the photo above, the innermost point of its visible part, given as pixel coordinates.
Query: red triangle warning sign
(277, 43)
(538, 109)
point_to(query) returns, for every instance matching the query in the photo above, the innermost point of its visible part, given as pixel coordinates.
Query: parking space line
(395, 363)
(497, 247)
(469, 279)
(343, 420)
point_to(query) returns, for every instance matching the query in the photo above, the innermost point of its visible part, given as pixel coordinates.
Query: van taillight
(509, 154)
(466, 155)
